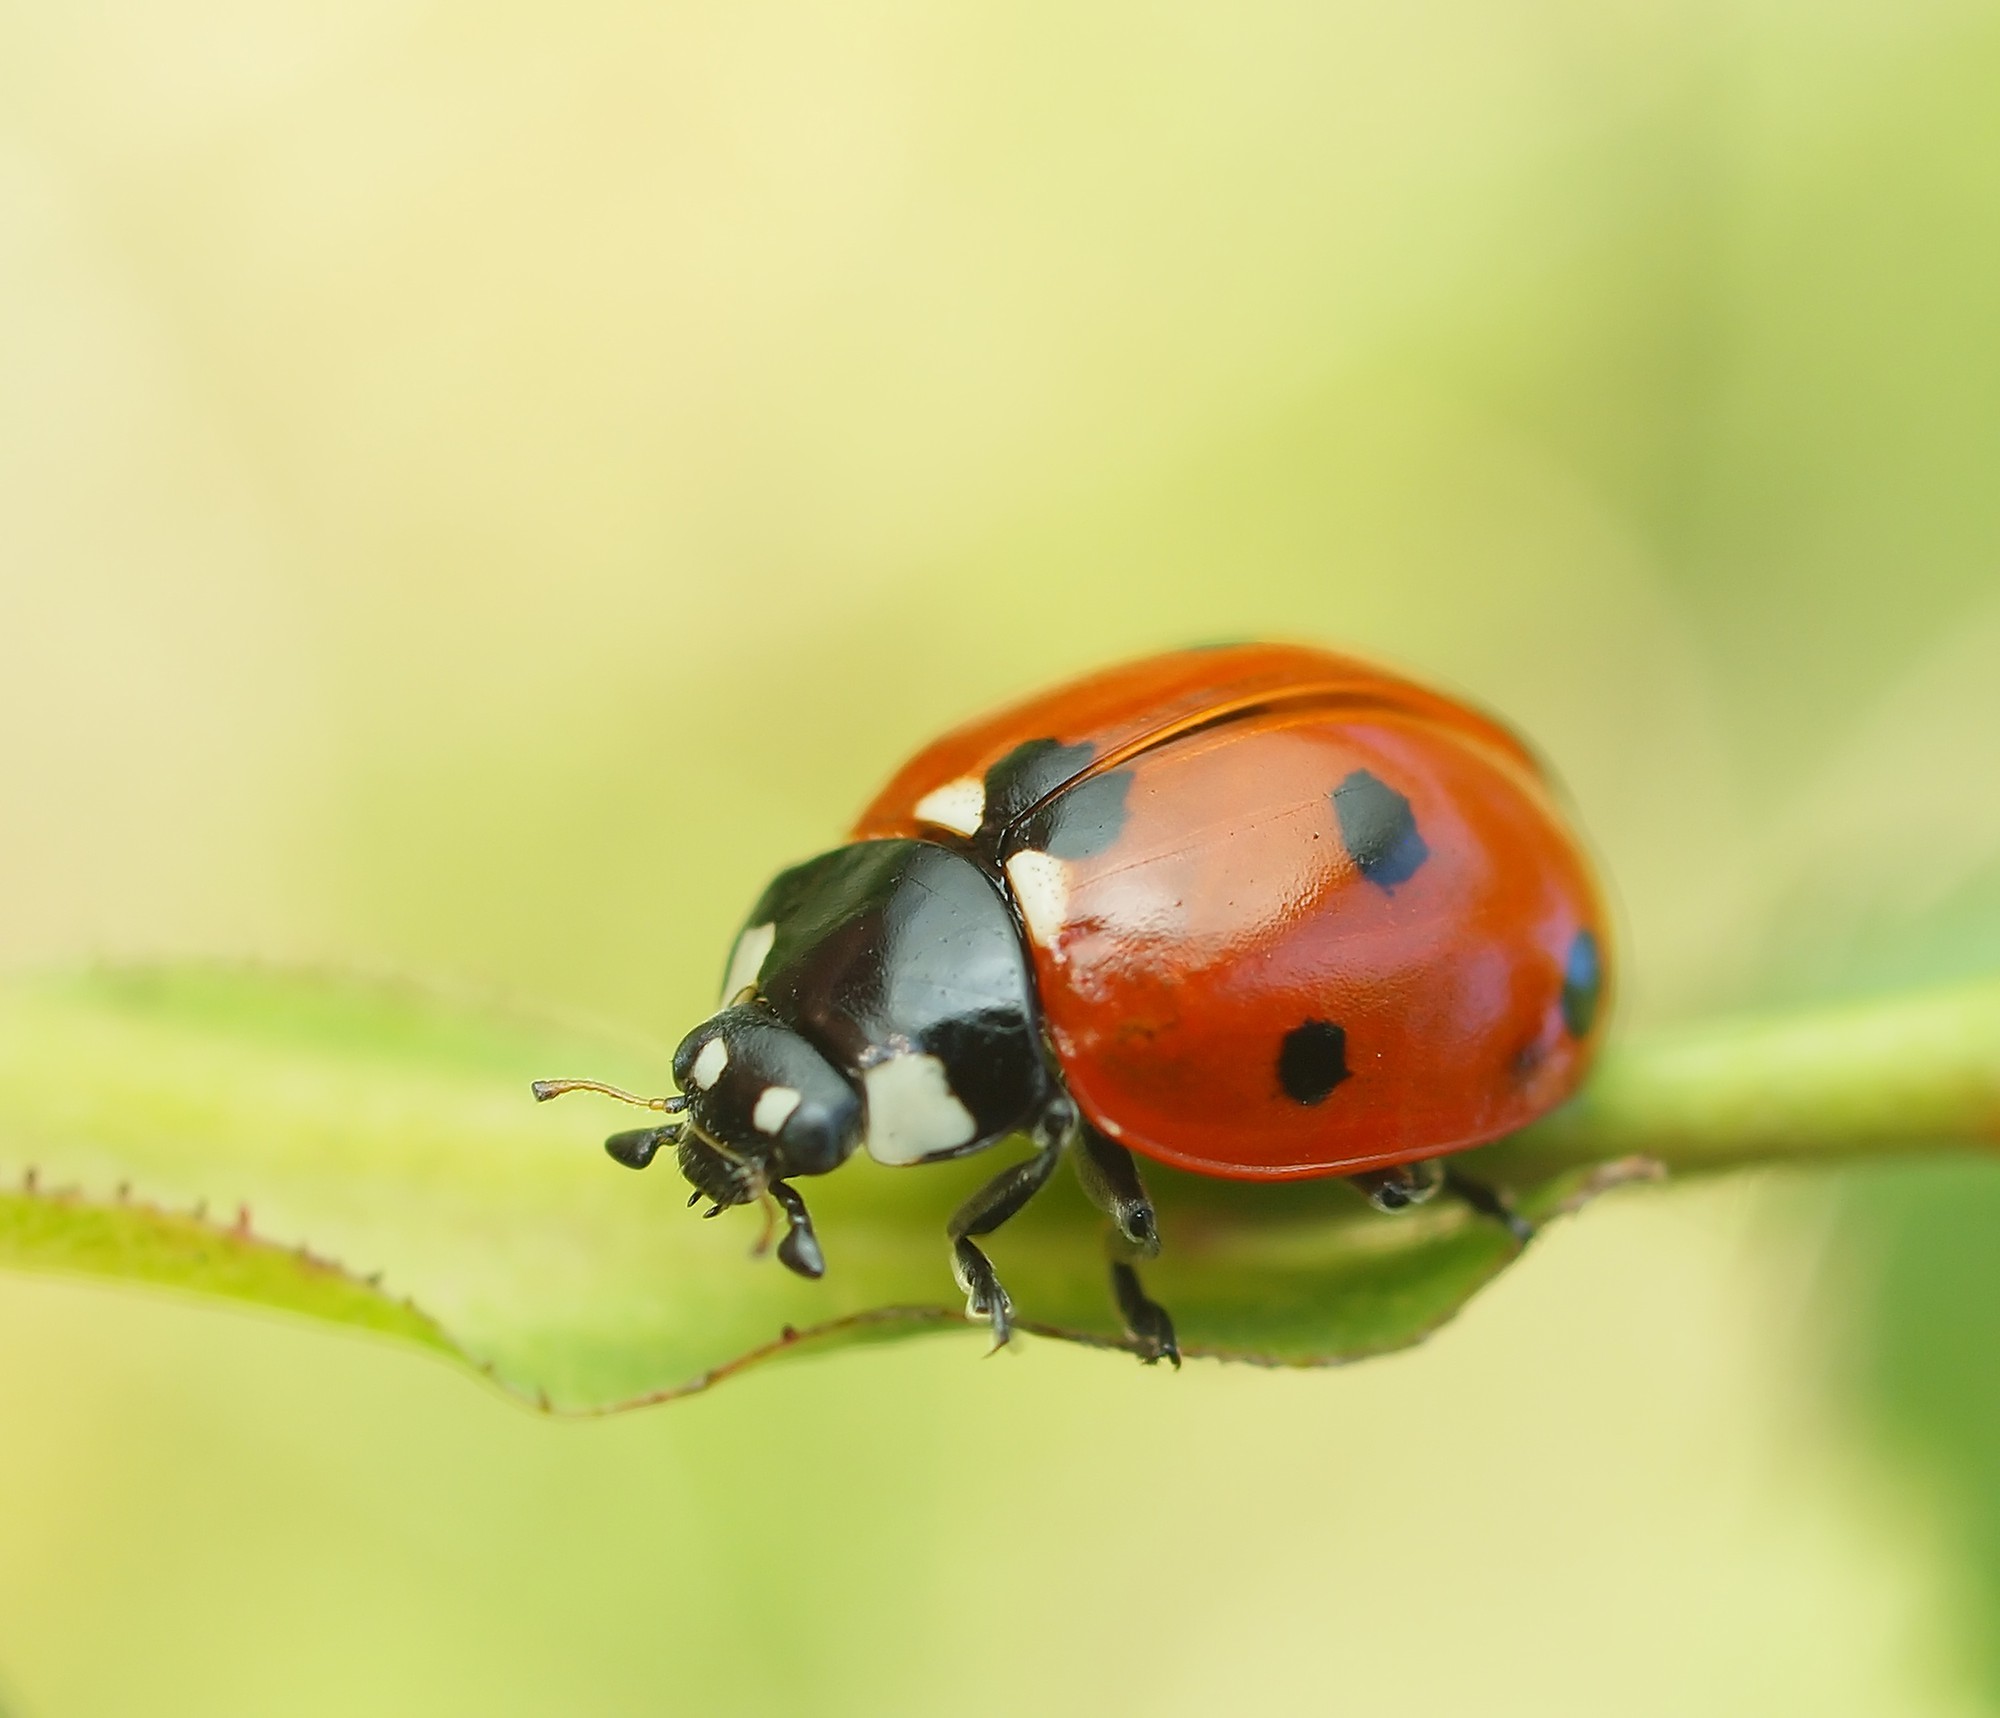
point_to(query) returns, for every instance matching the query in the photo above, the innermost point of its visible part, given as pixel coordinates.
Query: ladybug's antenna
(546, 1089)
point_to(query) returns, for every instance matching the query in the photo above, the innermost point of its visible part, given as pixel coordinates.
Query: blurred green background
(480, 487)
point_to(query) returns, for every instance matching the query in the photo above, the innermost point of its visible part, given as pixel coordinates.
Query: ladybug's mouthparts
(715, 1172)
(718, 1175)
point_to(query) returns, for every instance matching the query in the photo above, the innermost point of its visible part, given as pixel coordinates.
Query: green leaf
(60, 1230)
(370, 1155)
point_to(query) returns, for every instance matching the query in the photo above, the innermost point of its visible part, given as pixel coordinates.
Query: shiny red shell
(1337, 923)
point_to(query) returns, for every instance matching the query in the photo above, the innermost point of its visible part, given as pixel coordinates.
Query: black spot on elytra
(1378, 830)
(1029, 774)
(1583, 979)
(1312, 1061)
(1079, 822)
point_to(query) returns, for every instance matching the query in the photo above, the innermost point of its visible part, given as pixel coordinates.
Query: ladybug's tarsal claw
(985, 1299)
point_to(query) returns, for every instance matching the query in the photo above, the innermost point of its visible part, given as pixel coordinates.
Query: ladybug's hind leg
(1489, 1201)
(1407, 1184)
(1403, 1185)
(1111, 1179)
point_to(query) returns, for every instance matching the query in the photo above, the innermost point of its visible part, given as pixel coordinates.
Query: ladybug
(1258, 911)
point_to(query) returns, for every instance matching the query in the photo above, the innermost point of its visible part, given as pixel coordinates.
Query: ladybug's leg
(1403, 1185)
(1410, 1184)
(984, 1212)
(799, 1251)
(1111, 1179)
(1146, 1321)
(1489, 1201)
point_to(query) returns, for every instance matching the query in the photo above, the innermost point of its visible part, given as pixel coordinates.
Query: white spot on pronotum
(748, 959)
(774, 1108)
(709, 1063)
(1041, 891)
(959, 805)
(912, 1111)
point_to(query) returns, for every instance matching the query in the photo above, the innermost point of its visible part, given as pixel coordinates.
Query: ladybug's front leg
(984, 1212)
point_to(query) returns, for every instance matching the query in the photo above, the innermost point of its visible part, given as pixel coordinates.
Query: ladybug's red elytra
(1259, 911)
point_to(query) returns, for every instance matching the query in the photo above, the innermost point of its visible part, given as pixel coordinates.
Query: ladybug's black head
(762, 1105)
(759, 1105)
(764, 1098)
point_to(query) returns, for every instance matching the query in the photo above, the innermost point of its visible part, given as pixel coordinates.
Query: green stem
(1892, 1076)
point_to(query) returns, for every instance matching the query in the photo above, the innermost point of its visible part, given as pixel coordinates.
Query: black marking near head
(1080, 821)
(987, 1058)
(1312, 1061)
(1378, 831)
(1029, 774)
(1583, 981)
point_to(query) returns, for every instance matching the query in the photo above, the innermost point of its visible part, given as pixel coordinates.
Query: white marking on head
(1041, 891)
(774, 1108)
(709, 1063)
(748, 959)
(912, 1111)
(959, 805)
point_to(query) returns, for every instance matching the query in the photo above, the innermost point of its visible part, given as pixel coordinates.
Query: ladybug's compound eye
(765, 1096)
